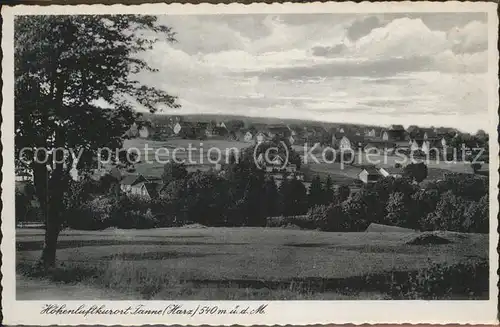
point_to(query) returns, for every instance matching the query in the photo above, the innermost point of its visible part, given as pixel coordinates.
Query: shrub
(416, 171)
(92, 215)
(468, 279)
(302, 221)
(469, 186)
(318, 216)
(477, 216)
(449, 214)
(132, 212)
(397, 210)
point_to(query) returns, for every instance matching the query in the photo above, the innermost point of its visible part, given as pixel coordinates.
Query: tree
(328, 192)
(416, 171)
(173, 171)
(342, 193)
(63, 64)
(318, 217)
(469, 186)
(293, 197)
(477, 216)
(423, 202)
(316, 193)
(397, 210)
(271, 197)
(449, 214)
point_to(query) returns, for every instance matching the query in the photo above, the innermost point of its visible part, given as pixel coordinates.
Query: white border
(277, 312)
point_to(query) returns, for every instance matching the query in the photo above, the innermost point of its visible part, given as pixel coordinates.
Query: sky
(415, 68)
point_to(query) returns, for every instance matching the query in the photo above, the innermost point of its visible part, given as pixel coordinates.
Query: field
(341, 174)
(199, 159)
(347, 173)
(237, 263)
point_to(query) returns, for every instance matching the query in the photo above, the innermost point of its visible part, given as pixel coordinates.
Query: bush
(132, 212)
(477, 217)
(449, 214)
(318, 216)
(469, 279)
(416, 171)
(92, 215)
(469, 186)
(284, 221)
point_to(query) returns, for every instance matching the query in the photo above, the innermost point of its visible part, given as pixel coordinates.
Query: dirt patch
(428, 239)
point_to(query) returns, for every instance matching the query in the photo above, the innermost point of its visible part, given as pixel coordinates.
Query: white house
(370, 132)
(350, 143)
(421, 145)
(393, 172)
(260, 137)
(248, 137)
(177, 128)
(369, 175)
(144, 132)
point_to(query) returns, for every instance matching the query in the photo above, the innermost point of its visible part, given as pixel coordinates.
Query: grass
(240, 263)
(151, 167)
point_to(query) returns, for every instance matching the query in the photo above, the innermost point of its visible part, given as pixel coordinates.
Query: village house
(248, 137)
(261, 137)
(391, 172)
(394, 133)
(370, 132)
(130, 180)
(144, 132)
(369, 175)
(425, 139)
(141, 186)
(447, 132)
(351, 142)
(189, 130)
(278, 131)
(420, 145)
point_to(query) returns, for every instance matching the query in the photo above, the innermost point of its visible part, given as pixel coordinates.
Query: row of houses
(397, 137)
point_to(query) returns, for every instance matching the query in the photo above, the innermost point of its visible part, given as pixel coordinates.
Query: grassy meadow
(199, 155)
(240, 263)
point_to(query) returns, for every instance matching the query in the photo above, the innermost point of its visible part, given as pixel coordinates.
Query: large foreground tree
(64, 66)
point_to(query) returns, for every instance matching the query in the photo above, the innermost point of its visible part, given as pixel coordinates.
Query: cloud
(362, 27)
(402, 37)
(389, 69)
(342, 68)
(471, 38)
(330, 51)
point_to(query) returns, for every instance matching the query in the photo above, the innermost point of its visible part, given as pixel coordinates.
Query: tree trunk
(48, 258)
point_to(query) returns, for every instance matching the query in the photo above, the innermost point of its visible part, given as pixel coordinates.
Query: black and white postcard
(239, 165)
